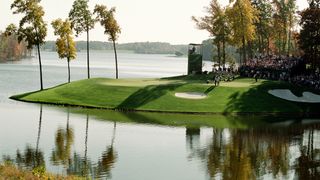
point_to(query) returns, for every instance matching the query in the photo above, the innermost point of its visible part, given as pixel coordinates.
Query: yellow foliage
(242, 16)
(65, 44)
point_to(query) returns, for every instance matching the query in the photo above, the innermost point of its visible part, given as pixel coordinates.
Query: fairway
(240, 84)
(243, 95)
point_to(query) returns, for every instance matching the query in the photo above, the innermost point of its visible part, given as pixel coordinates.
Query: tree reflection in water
(81, 166)
(108, 158)
(31, 157)
(266, 152)
(64, 139)
(256, 153)
(84, 167)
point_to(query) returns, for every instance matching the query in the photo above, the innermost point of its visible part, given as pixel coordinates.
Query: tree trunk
(116, 58)
(40, 66)
(243, 39)
(279, 47)
(240, 56)
(289, 35)
(260, 44)
(268, 48)
(219, 54)
(285, 39)
(68, 59)
(244, 50)
(250, 49)
(88, 65)
(224, 52)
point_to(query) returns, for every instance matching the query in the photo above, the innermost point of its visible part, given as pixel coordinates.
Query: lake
(104, 144)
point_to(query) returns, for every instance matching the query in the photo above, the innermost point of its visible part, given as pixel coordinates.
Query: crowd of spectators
(283, 68)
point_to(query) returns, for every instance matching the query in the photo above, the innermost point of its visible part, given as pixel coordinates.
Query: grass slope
(240, 96)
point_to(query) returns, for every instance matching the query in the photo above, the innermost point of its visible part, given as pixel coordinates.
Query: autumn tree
(111, 27)
(242, 16)
(10, 47)
(82, 21)
(32, 27)
(215, 22)
(263, 25)
(65, 44)
(284, 21)
(309, 38)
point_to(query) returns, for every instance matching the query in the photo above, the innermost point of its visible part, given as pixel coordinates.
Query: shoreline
(127, 110)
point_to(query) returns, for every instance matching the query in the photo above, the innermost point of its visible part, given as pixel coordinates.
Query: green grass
(240, 96)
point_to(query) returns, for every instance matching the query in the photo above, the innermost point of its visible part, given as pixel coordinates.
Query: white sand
(191, 95)
(286, 94)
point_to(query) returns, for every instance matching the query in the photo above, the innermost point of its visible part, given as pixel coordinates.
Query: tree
(82, 21)
(284, 21)
(263, 25)
(217, 25)
(309, 38)
(10, 47)
(242, 16)
(32, 28)
(66, 47)
(111, 27)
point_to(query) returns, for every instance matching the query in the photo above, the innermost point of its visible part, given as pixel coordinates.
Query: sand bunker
(286, 94)
(191, 95)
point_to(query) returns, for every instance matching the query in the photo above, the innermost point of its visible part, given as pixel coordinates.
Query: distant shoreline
(136, 47)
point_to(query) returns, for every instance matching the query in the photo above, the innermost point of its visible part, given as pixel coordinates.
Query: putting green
(139, 82)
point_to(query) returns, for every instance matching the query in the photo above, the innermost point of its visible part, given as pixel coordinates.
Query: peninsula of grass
(243, 95)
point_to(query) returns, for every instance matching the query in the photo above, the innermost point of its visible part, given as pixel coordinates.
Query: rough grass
(239, 96)
(8, 171)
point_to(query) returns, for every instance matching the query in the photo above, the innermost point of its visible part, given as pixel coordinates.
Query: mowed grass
(243, 95)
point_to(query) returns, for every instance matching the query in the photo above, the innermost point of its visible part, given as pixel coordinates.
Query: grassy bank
(8, 171)
(240, 96)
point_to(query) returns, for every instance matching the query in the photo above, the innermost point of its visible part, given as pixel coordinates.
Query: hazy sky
(140, 20)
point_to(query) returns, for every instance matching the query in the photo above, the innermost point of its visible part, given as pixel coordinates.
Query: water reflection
(262, 153)
(286, 150)
(83, 166)
(192, 137)
(31, 157)
(64, 139)
(108, 157)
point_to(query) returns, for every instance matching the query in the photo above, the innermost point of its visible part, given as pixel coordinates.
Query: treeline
(254, 27)
(209, 49)
(137, 47)
(11, 49)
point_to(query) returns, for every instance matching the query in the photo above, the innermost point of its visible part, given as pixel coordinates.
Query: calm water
(112, 145)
